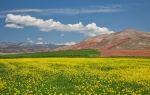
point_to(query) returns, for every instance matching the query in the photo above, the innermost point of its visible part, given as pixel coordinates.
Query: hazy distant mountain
(125, 40)
(9, 47)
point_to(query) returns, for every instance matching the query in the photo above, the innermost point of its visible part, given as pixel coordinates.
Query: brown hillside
(124, 40)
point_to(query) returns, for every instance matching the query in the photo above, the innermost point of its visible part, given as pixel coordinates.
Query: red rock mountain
(124, 40)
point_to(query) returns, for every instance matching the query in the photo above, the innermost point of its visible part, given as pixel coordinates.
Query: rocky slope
(124, 40)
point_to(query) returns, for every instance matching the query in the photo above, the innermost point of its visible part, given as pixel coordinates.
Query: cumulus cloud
(21, 21)
(13, 26)
(67, 43)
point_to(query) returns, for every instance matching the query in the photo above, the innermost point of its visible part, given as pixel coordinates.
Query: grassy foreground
(64, 53)
(75, 76)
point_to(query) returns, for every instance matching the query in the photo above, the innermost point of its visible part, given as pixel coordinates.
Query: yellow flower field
(75, 76)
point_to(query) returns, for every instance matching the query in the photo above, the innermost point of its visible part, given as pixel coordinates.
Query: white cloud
(71, 11)
(13, 26)
(67, 43)
(21, 21)
(29, 40)
(41, 43)
(23, 11)
(40, 40)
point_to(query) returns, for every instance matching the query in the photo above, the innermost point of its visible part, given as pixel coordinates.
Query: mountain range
(25, 47)
(125, 40)
(124, 43)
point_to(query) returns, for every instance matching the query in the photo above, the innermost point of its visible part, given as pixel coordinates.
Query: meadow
(64, 53)
(75, 76)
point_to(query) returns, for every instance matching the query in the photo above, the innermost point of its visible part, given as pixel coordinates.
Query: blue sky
(72, 20)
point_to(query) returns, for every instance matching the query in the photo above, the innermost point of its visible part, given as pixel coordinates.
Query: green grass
(75, 76)
(65, 53)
